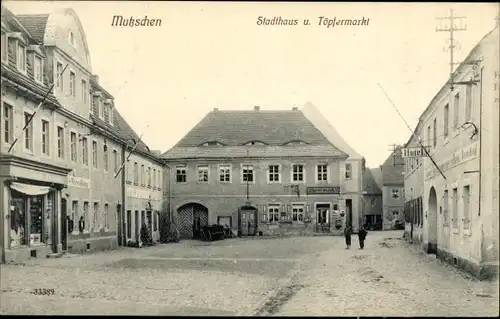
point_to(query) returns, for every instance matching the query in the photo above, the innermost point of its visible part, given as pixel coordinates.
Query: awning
(32, 190)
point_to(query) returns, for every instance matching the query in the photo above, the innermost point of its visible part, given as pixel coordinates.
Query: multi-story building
(143, 187)
(457, 188)
(257, 172)
(393, 190)
(351, 198)
(372, 210)
(60, 179)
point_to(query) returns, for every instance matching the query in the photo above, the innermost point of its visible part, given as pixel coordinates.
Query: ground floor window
(273, 213)
(129, 224)
(28, 219)
(298, 213)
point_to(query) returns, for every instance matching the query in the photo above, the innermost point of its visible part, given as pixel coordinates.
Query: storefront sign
(323, 190)
(142, 194)
(413, 152)
(457, 158)
(78, 182)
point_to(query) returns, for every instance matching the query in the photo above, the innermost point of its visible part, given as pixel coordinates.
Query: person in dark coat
(81, 224)
(362, 236)
(347, 235)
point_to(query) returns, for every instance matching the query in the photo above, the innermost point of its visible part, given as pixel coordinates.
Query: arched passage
(191, 217)
(432, 222)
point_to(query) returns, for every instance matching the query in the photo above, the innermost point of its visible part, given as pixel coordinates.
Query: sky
(208, 55)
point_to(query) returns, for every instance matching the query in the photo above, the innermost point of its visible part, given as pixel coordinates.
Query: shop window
(298, 213)
(273, 213)
(106, 216)
(17, 221)
(36, 209)
(95, 217)
(85, 216)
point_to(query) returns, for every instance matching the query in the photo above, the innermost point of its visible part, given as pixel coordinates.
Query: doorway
(432, 221)
(64, 224)
(323, 218)
(129, 224)
(248, 221)
(149, 216)
(136, 225)
(348, 208)
(121, 226)
(192, 217)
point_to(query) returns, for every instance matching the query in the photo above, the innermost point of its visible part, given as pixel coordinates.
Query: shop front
(29, 212)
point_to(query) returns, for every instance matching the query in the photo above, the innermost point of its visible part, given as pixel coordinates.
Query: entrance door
(248, 221)
(196, 227)
(348, 208)
(121, 225)
(323, 217)
(244, 223)
(252, 223)
(136, 224)
(64, 225)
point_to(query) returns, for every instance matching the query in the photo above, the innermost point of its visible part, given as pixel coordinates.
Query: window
(95, 103)
(86, 214)
(273, 213)
(202, 173)
(111, 115)
(225, 173)
(446, 120)
(247, 173)
(8, 128)
(454, 207)
(180, 174)
(73, 147)
(71, 38)
(72, 88)
(466, 202)
(456, 110)
(95, 217)
(154, 178)
(297, 213)
(274, 173)
(59, 76)
(100, 107)
(434, 133)
(297, 173)
(4, 47)
(60, 142)
(143, 175)
(84, 91)
(348, 171)
(468, 102)
(85, 151)
(21, 57)
(38, 69)
(45, 138)
(445, 207)
(106, 216)
(94, 154)
(428, 140)
(322, 172)
(136, 173)
(105, 158)
(395, 193)
(115, 161)
(28, 132)
(74, 211)
(105, 113)
(149, 176)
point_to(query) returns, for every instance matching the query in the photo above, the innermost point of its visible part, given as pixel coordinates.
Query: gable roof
(234, 128)
(35, 24)
(370, 184)
(327, 129)
(393, 167)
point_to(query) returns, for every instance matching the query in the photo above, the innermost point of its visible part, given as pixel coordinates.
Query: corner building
(257, 172)
(456, 215)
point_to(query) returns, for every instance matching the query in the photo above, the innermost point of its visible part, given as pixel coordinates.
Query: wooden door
(252, 223)
(244, 223)
(64, 225)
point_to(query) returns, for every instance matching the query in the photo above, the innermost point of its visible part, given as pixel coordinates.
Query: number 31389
(43, 291)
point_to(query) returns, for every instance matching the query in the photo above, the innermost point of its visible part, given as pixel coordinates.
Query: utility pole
(450, 25)
(395, 155)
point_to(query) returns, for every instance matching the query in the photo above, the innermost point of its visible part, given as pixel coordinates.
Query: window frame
(45, 151)
(227, 167)
(180, 168)
(40, 71)
(199, 169)
(85, 150)
(28, 132)
(61, 143)
(20, 45)
(327, 172)
(292, 173)
(276, 207)
(244, 167)
(95, 154)
(8, 127)
(75, 153)
(72, 83)
(269, 174)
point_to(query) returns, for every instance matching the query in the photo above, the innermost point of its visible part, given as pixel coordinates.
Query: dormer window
(100, 106)
(296, 142)
(38, 68)
(211, 143)
(21, 57)
(106, 113)
(255, 143)
(110, 115)
(71, 39)
(4, 46)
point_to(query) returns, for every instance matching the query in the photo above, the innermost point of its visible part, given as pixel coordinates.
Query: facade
(60, 180)
(143, 188)
(393, 190)
(372, 209)
(458, 204)
(351, 198)
(259, 172)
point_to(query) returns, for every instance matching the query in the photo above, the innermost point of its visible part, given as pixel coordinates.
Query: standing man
(347, 235)
(362, 236)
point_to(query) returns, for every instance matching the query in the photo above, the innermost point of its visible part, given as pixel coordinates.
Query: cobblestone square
(286, 276)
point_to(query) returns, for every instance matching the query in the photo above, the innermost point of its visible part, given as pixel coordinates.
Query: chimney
(95, 78)
(256, 108)
(215, 109)
(295, 108)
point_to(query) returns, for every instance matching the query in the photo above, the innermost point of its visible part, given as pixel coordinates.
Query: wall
(391, 205)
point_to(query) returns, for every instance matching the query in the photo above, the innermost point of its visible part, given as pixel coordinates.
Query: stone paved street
(289, 276)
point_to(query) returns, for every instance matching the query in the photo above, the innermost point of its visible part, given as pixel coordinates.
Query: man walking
(347, 235)
(362, 236)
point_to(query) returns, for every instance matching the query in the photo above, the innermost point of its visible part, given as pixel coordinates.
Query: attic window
(296, 142)
(255, 143)
(71, 38)
(211, 143)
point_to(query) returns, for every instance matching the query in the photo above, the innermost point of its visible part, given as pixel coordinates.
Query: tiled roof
(377, 176)
(253, 151)
(126, 132)
(393, 167)
(35, 24)
(11, 20)
(239, 127)
(370, 184)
